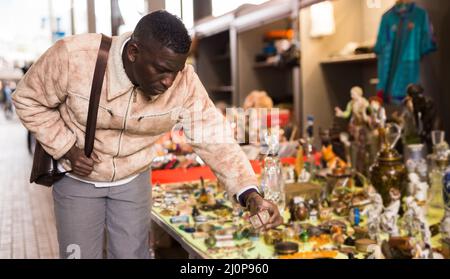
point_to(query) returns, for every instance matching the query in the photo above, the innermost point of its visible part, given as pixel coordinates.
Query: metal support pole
(91, 16)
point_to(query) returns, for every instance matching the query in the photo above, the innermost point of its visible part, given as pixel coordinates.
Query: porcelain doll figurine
(304, 176)
(375, 252)
(445, 223)
(356, 111)
(426, 253)
(390, 215)
(373, 212)
(418, 188)
(416, 220)
(376, 121)
(377, 118)
(409, 222)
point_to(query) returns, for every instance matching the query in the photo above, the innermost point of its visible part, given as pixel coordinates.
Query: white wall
(371, 15)
(355, 22)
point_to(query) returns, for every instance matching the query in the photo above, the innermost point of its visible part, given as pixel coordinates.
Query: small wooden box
(305, 190)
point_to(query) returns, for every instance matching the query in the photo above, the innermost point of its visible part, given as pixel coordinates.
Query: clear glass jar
(272, 182)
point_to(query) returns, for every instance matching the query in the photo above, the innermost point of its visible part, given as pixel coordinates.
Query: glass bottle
(439, 162)
(203, 198)
(445, 223)
(272, 179)
(308, 148)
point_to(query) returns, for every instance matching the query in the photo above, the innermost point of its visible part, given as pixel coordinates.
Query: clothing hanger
(404, 1)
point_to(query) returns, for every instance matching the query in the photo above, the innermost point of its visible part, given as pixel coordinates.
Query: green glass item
(211, 241)
(304, 237)
(241, 234)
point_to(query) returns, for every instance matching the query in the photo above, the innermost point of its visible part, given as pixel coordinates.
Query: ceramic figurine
(409, 222)
(375, 252)
(345, 140)
(418, 188)
(289, 173)
(302, 174)
(373, 212)
(446, 189)
(416, 219)
(411, 165)
(417, 166)
(331, 159)
(419, 253)
(445, 223)
(356, 111)
(377, 118)
(422, 168)
(424, 111)
(390, 215)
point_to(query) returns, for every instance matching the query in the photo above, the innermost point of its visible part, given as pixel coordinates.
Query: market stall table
(244, 248)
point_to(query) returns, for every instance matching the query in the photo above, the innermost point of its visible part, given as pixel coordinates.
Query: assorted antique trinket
(349, 216)
(389, 170)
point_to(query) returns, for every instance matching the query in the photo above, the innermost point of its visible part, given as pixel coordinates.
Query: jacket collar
(118, 81)
(408, 8)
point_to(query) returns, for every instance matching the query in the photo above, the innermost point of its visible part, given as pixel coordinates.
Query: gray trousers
(83, 212)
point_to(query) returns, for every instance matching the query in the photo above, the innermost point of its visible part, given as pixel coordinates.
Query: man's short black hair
(165, 28)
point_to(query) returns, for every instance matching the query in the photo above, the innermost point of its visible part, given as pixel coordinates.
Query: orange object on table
(193, 174)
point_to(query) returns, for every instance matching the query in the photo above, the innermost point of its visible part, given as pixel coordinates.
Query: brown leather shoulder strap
(96, 89)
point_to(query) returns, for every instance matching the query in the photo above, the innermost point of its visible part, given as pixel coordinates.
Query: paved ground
(27, 223)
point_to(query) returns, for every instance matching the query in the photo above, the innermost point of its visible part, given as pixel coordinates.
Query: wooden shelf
(224, 89)
(220, 58)
(259, 65)
(357, 58)
(265, 65)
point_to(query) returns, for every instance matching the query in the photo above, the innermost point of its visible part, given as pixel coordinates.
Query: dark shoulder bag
(45, 171)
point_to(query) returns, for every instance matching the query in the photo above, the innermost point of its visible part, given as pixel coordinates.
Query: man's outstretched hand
(81, 165)
(256, 203)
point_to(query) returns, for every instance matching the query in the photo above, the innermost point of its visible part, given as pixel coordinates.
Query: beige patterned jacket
(52, 102)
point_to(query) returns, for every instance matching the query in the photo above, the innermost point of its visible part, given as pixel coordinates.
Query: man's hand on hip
(81, 165)
(255, 203)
